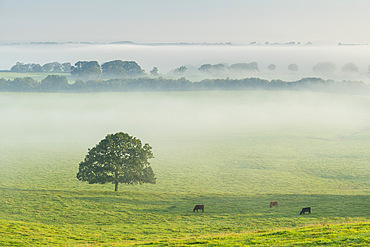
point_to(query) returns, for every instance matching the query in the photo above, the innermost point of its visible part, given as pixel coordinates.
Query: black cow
(305, 210)
(197, 207)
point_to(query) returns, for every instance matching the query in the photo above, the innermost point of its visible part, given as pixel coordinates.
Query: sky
(166, 21)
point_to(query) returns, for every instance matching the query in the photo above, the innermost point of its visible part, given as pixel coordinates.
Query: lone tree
(350, 68)
(154, 71)
(293, 67)
(118, 158)
(271, 67)
(324, 68)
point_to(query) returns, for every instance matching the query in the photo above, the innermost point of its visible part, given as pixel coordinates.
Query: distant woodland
(57, 83)
(92, 70)
(123, 76)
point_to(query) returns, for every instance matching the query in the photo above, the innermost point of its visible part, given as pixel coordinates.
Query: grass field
(232, 151)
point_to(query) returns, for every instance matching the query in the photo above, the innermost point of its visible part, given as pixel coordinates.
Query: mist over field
(257, 112)
(169, 57)
(160, 117)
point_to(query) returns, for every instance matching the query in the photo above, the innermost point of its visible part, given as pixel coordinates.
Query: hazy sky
(237, 21)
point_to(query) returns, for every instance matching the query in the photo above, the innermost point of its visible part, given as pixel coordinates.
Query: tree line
(92, 70)
(59, 83)
(55, 67)
(86, 69)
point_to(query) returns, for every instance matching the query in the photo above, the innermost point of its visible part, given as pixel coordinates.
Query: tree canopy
(29, 67)
(54, 83)
(119, 68)
(180, 70)
(293, 67)
(214, 70)
(154, 71)
(86, 69)
(271, 67)
(244, 67)
(118, 158)
(324, 68)
(48, 67)
(350, 68)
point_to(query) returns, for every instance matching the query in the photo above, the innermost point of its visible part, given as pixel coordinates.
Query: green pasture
(234, 152)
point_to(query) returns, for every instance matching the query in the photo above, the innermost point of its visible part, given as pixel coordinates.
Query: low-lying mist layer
(152, 116)
(224, 140)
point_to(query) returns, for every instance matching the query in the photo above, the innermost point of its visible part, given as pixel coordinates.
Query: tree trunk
(116, 186)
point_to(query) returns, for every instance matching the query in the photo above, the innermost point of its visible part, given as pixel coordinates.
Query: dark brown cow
(197, 207)
(274, 203)
(305, 210)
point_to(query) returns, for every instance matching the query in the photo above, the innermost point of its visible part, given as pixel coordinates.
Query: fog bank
(157, 117)
(169, 57)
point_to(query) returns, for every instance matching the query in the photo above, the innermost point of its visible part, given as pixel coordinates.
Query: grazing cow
(273, 204)
(197, 207)
(305, 210)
